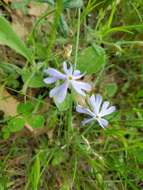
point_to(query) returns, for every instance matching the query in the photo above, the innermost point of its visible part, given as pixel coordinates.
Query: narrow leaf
(9, 37)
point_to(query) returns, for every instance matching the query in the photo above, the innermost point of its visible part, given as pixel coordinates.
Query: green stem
(77, 39)
(58, 11)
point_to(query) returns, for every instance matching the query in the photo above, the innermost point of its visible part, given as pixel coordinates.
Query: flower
(97, 110)
(70, 78)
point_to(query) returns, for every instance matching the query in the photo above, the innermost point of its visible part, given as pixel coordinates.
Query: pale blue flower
(71, 79)
(96, 110)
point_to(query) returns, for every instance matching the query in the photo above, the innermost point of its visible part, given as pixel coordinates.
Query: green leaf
(65, 186)
(2, 187)
(36, 80)
(10, 68)
(111, 89)
(127, 29)
(139, 93)
(139, 155)
(25, 108)
(73, 3)
(10, 73)
(91, 59)
(35, 173)
(9, 37)
(5, 134)
(36, 121)
(15, 125)
(63, 26)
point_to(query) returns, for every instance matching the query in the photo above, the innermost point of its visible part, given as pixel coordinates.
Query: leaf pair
(26, 115)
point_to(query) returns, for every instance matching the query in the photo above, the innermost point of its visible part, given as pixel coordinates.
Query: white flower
(97, 110)
(70, 78)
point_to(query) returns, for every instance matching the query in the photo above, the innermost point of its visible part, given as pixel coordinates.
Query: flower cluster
(70, 78)
(96, 109)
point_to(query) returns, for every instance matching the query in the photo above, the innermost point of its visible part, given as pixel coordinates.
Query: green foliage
(9, 74)
(92, 59)
(65, 155)
(63, 26)
(1, 187)
(52, 119)
(9, 37)
(66, 3)
(139, 93)
(15, 124)
(65, 105)
(73, 3)
(26, 115)
(25, 108)
(111, 89)
(65, 187)
(36, 121)
(59, 156)
(127, 29)
(35, 173)
(9, 68)
(33, 80)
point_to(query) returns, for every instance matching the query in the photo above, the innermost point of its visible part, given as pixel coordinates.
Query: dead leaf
(8, 103)
(36, 9)
(67, 51)
(7, 1)
(20, 29)
(21, 24)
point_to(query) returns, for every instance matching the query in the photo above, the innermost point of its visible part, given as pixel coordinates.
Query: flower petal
(98, 101)
(102, 122)
(87, 111)
(76, 77)
(55, 73)
(50, 80)
(59, 93)
(77, 88)
(85, 121)
(65, 67)
(83, 85)
(104, 107)
(76, 72)
(80, 109)
(108, 111)
(80, 86)
(70, 70)
(92, 102)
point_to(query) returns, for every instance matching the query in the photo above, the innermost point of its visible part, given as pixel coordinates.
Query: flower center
(70, 78)
(98, 117)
